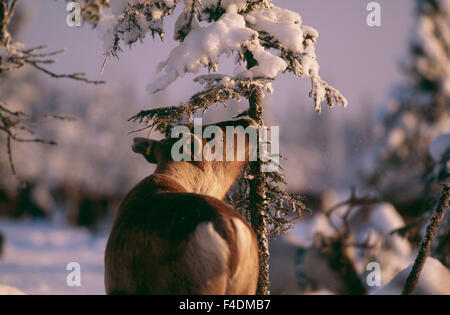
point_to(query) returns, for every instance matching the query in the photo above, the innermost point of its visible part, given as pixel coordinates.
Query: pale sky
(361, 61)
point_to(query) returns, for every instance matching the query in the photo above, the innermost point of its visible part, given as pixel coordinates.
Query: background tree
(16, 125)
(265, 40)
(420, 111)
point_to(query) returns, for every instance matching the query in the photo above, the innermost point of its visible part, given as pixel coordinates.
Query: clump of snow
(204, 46)
(268, 65)
(284, 25)
(434, 280)
(230, 6)
(212, 80)
(234, 6)
(105, 29)
(226, 81)
(8, 290)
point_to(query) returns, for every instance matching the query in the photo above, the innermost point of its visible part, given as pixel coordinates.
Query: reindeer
(328, 264)
(173, 234)
(325, 266)
(355, 236)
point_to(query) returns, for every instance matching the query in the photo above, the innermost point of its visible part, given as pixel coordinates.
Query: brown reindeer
(328, 264)
(173, 234)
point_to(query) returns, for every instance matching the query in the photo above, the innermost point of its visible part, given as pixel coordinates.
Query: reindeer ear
(146, 147)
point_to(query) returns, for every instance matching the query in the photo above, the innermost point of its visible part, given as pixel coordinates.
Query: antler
(352, 202)
(367, 244)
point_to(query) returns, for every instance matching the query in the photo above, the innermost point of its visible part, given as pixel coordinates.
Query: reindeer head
(330, 264)
(335, 255)
(212, 156)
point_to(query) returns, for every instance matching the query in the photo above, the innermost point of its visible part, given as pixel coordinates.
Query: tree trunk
(424, 251)
(257, 195)
(3, 20)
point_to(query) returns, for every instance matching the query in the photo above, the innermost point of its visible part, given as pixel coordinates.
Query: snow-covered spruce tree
(265, 40)
(419, 113)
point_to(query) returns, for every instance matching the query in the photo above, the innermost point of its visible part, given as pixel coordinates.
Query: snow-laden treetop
(265, 39)
(430, 61)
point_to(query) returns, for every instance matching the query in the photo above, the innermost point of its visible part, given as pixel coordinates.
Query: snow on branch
(283, 30)
(219, 89)
(264, 37)
(131, 20)
(204, 46)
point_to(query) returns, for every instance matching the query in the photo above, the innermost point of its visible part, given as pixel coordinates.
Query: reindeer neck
(161, 183)
(211, 179)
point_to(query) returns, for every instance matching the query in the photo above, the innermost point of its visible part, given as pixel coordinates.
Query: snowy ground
(36, 255)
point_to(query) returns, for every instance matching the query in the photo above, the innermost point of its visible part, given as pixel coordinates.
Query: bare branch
(11, 121)
(73, 76)
(15, 56)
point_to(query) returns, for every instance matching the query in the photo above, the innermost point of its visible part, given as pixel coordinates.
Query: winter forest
(349, 190)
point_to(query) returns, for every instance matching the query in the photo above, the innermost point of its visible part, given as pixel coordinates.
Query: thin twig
(73, 76)
(424, 250)
(104, 63)
(10, 122)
